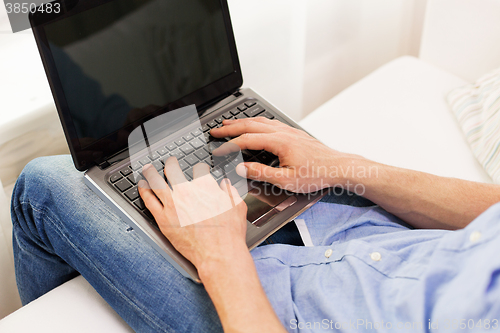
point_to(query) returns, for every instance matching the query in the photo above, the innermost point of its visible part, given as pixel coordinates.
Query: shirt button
(328, 253)
(375, 256)
(475, 236)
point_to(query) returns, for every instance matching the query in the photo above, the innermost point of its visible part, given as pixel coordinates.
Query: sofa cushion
(398, 115)
(73, 307)
(477, 108)
(9, 298)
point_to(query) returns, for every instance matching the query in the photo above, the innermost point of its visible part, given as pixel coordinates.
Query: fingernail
(241, 170)
(146, 167)
(227, 121)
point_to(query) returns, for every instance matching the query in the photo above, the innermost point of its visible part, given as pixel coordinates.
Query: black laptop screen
(123, 60)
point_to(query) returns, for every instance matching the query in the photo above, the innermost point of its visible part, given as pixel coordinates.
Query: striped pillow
(477, 108)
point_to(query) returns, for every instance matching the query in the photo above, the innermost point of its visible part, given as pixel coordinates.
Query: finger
(240, 126)
(226, 148)
(270, 142)
(264, 173)
(156, 183)
(173, 171)
(150, 200)
(200, 170)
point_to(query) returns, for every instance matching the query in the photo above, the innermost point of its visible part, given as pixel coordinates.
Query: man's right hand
(306, 165)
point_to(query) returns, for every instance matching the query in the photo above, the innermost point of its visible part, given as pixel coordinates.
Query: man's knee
(41, 175)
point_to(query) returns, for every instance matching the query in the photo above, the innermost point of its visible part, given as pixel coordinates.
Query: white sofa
(396, 115)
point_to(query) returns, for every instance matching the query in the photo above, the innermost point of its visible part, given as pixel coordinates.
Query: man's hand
(423, 200)
(306, 165)
(202, 220)
(207, 224)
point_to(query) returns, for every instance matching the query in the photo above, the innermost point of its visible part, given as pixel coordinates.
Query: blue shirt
(368, 272)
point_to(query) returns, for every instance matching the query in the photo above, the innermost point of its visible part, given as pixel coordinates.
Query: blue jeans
(62, 229)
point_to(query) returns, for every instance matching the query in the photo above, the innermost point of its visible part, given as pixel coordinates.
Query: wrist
(223, 262)
(353, 172)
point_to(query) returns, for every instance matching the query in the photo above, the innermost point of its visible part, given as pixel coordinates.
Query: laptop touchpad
(265, 201)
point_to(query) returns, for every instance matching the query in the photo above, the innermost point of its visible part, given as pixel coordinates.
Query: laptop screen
(124, 60)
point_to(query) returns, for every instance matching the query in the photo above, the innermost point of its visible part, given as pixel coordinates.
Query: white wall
(299, 53)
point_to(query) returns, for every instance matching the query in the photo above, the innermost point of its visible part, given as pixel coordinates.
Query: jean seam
(127, 298)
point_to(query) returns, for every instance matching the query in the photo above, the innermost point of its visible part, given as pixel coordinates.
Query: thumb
(264, 173)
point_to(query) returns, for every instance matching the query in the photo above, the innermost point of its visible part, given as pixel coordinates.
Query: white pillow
(477, 109)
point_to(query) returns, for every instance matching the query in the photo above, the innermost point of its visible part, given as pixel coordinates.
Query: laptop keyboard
(190, 149)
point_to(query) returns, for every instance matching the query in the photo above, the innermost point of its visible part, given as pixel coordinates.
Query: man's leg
(61, 228)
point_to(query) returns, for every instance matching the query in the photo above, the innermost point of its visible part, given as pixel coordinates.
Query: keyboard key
(268, 115)
(177, 154)
(233, 177)
(123, 185)
(136, 165)
(197, 143)
(132, 194)
(208, 161)
(227, 167)
(158, 165)
(140, 204)
(115, 177)
(183, 165)
(241, 116)
(212, 124)
(126, 171)
(133, 177)
(171, 146)
(191, 159)
(189, 173)
(205, 128)
(188, 137)
(227, 115)
(250, 103)
(256, 110)
(234, 112)
(201, 154)
(162, 151)
(219, 119)
(179, 142)
(198, 132)
(145, 160)
(187, 149)
(217, 173)
(220, 161)
(154, 156)
(242, 107)
(238, 160)
(164, 158)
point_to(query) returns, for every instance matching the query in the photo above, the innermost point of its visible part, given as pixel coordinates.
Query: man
(367, 270)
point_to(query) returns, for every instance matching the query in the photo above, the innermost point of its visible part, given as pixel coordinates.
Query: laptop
(168, 69)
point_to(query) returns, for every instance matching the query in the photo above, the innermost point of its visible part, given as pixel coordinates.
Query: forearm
(234, 287)
(424, 200)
